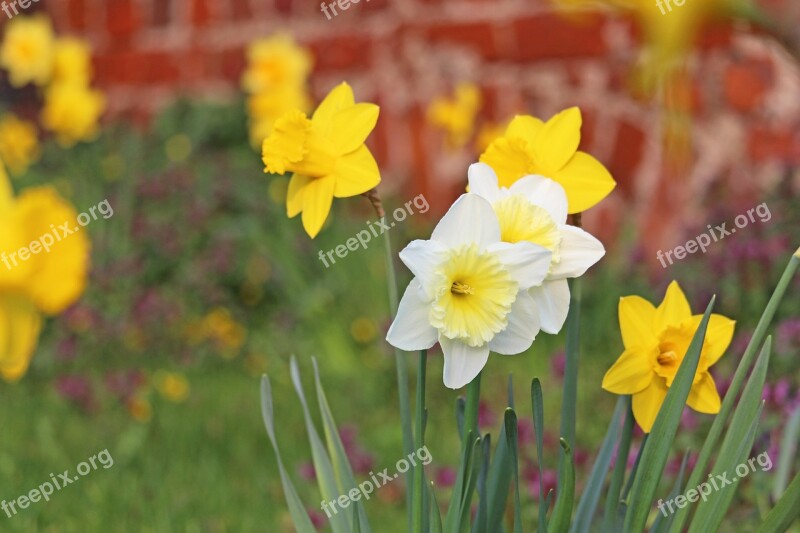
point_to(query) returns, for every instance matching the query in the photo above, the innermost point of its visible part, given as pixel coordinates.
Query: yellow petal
(636, 319)
(718, 337)
(20, 325)
(647, 403)
(674, 309)
(704, 397)
(356, 173)
(510, 158)
(352, 125)
(524, 127)
(317, 200)
(339, 98)
(632, 372)
(294, 195)
(585, 180)
(558, 140)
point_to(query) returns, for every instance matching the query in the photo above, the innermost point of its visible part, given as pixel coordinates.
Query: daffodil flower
(656, 340)
(534, 209)
(27, 51)
(550, 149)
(469, 292)
(326, 153)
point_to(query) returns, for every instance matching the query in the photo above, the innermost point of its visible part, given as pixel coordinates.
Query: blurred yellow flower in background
(265, 108)
(140, 409)
(27, 51)
(220, 326)
(550, 149)
(72, 61)
(19, 143)
(72, 112)
(656, 340)
(172, 386)
(456, 115)
(326, 153)
(274, 62)
(33, 279)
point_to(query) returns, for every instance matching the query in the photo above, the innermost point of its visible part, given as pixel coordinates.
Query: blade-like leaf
(728, 403)
(538, 428)
(419, 469)
(565, 497)
(512, 437)
(785, 512)
(341, 464)
(481, 518)
(664, 519)
(329, 487)
(499, 475)
(787, 454)
(656, 450)
(473, 466)
(584, 516)
(435, 514)
(300, 517)
(570, 386)
(610, 523)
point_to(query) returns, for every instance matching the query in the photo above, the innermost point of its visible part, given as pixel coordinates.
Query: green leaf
(538, 427)
(341, 464)
(565, 497)
(788, 453)
(473, 465)
(296, 509)
(419, 469)
(664, 519)
(435, 514)
(785, 512)
(481, 517)
(512, 438)
(330, 488)
(611, 524)
(728, 403)
(584, 516)
(499, 475)
(570, 387)
(467, 417)
(656, 450)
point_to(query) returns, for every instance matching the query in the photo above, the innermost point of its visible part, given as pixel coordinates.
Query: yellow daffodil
(72, 62)
(550, 149)
(326, 153)
(265, 108)
(72, 112)
(27, 51)
(172, 386)
(275, 62)
(456, 116)
(43, 267)
(656, 340)
(19, 143)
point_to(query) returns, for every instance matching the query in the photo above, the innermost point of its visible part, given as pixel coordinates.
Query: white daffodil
(470, 291)
(534, 209)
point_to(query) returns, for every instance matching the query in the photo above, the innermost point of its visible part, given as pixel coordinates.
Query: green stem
(742, 370)
(570, 395)
(471, 409)
(419, 472)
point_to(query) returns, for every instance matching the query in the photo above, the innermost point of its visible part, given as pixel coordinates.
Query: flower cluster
(46, 283)
(276, 82)
(61, 67)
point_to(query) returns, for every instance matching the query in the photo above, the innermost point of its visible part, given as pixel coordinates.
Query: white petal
(528, 263)
(423, 259)
(462, 363)
(411, 329)
(470, 220)
(579, 250)
(545, 193)
(552, 301)
(483, 182)
(523, 325)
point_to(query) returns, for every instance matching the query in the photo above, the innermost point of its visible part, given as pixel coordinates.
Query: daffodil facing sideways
(550, 149)
(656, 340)
(326, 153)
(46, 282)
(27, 51)
(534, 209)
(469, 292)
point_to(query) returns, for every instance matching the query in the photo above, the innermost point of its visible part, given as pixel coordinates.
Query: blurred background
(200, 284)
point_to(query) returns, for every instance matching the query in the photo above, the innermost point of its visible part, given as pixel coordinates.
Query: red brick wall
(742, 89)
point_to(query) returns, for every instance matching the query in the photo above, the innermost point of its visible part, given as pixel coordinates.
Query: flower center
(672, 347)
(474, 296)
(294, 146)
(522, 221)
